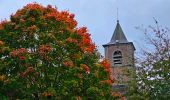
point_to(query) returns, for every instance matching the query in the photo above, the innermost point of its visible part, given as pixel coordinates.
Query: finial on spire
(117, 16)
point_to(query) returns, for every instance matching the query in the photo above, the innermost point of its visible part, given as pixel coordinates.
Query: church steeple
(118, 35)
(120, 53)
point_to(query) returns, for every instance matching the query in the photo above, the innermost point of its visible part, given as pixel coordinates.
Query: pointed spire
(118, 35)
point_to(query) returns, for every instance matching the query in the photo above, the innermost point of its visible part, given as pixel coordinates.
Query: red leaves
(81, 30)
(71, 40)
(86, 44)
(2, 23)
(34, 6)
(90, 48)
(86, 39)
(43, 49)
(49, 13)
(25, 73)
(86, 68)
(20, 53)
(116, 94)
(46, 94)
(32, 28)
(32, 19)
(1, 26)
(22, 20)
(109, 82)
(1, 43)
(51, 40)
(63, 16)
(72, 15)
(22, 57)
(105, 63)
(53, 15)
(22, 50)
(68, 63)
(30, 69)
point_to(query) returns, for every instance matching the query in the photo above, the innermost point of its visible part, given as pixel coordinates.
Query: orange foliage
(85, 67)
(46, 94)
(22, 57)
(107, 82)
(68, 63)
(2, 77)
(35, 24)
(19, 53)
(1, 43)
(86, 44)
(34, 6)
(118, 94)
(26, 72)
(45, 49)
(2, 23)
(32, 28)
(71, 40)
(105, 63)
(63, 16)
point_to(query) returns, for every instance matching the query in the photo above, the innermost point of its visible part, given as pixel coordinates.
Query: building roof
(118, 35)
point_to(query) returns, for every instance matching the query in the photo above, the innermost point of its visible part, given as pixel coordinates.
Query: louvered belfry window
(117, 58)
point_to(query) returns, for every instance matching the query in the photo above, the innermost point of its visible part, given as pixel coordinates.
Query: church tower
(120, 53)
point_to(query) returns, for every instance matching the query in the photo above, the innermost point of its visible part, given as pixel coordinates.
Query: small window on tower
(117, 58)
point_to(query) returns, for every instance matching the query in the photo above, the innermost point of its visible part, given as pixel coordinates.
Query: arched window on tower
(117, 58)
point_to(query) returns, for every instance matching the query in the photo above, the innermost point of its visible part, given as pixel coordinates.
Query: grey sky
(100, 15)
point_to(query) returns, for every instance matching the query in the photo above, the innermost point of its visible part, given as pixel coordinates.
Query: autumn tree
(153, 74)
(43, 55)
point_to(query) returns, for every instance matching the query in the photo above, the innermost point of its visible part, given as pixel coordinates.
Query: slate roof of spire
(118, 35)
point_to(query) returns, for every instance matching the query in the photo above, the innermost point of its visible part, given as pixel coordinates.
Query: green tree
(43, 55)
(153, 74)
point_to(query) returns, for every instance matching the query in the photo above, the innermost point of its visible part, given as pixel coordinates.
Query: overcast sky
(100, 15)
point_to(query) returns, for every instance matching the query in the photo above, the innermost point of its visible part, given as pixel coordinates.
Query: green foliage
(153, 81)
(43, 55)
